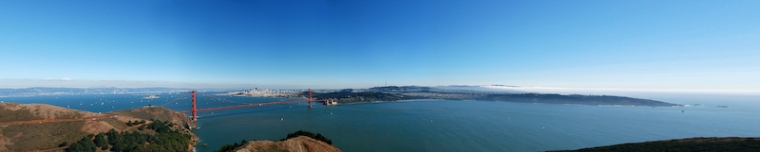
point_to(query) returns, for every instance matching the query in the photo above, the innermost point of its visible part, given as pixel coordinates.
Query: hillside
(297, 144)
(395, 93)
(25, 127)
(733, 144)
(158, 113)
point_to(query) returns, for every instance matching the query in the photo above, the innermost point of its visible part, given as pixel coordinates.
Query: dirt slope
(158, 113)
(25, 127)
(298, 144)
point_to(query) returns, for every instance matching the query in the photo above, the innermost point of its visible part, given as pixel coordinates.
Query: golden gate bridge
(195, 111)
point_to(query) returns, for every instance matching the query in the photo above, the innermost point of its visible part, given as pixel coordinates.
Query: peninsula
(395, 93)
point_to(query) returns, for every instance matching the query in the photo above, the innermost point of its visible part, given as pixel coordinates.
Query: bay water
(446, 125)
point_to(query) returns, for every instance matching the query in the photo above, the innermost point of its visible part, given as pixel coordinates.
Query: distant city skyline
(708, 46)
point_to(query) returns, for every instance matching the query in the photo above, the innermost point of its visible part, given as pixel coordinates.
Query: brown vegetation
(26, 127)
(298, 144)
(158, 113)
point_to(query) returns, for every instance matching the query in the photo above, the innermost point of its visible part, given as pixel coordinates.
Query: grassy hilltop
(26, 127)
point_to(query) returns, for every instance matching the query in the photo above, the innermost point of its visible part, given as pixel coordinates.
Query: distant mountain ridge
(41, 91)
(395, 93)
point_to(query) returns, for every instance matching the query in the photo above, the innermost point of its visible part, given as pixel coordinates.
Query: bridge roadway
(195, 111)
(100, 116)
(251, 105)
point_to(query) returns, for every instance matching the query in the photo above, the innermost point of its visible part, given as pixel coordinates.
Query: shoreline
(414, 100)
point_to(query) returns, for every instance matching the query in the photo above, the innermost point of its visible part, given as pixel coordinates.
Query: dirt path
(48, 120)
(53, 149)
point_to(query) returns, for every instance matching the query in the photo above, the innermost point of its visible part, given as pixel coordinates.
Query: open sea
(446, 125)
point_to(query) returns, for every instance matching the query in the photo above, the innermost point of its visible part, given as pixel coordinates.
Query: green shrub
(308, 134)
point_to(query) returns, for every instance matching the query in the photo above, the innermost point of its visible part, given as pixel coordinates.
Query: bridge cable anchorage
(174, 100)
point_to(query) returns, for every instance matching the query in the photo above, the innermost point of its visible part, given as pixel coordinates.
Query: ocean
(447, 125)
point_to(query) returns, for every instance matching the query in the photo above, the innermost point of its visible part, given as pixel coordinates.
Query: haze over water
(434, 125)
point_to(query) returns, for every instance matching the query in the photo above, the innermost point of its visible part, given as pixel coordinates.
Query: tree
(83, 145)
(63, 144)
(74, 147)
(165, 140)
(308, 134)
(113, 137)
(101, 140)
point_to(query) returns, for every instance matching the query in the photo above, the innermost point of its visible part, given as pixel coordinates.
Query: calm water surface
(443, 125)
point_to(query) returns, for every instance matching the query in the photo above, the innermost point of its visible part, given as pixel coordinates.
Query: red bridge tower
(195, 116)
(309, 98)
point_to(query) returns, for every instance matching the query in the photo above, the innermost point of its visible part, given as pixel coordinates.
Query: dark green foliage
(308, 134)
(732, 144)
(83, 145)
(228, 147)
(129, 123)
(113, 137)
(75, 147)
(159, 126)
(165, 139)
(101, 140)
(63, 144)
(142, 122)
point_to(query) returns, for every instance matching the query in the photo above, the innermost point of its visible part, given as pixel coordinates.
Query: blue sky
(663, 45)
